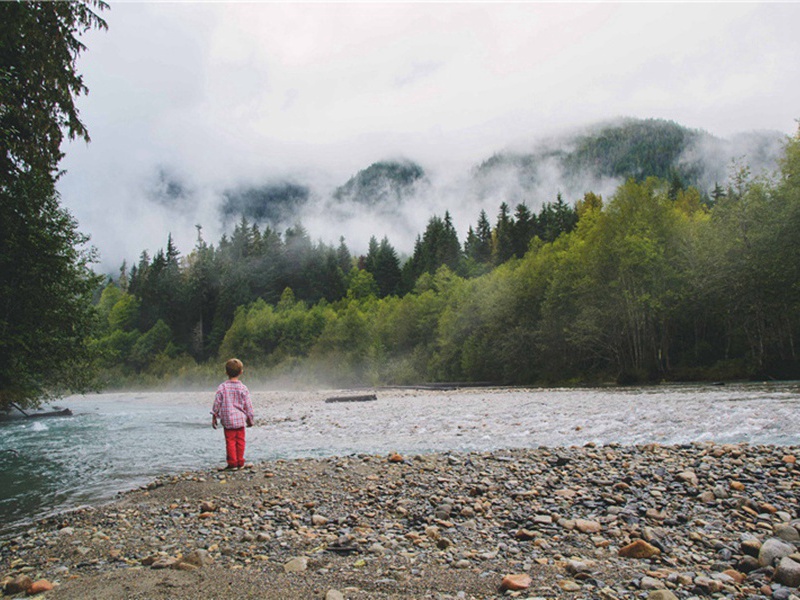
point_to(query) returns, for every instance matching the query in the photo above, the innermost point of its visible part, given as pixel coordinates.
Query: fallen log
(64, 412)
(362, 398)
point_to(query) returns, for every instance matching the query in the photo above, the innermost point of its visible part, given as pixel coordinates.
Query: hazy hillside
(401, 192)
(608, 153)
(381, 183)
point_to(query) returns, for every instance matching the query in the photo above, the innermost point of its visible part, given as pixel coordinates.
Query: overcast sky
(223, 93)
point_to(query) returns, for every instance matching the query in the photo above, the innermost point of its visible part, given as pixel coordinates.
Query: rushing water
(119, 441)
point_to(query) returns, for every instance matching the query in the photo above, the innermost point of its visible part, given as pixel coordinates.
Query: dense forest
(658, 282)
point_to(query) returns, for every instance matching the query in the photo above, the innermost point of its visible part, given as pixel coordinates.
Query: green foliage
(46, 283)
(652, 284)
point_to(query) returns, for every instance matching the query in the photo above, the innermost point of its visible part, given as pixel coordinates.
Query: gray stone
(773, 548)
(651, 583)
(198, 558)
(788, 572)
(296, 565)
(787, 533)
(334, 595)
(661, 595)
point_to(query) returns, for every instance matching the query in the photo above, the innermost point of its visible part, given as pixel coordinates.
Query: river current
(119, 441)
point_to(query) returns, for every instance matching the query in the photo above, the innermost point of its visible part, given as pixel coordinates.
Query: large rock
(751, 547)
(661, 595)
(40, 587)
(639, 549)
(296, 565)
(197, 558)
(515, 582)
(787, 533)
(18, 585)
(773, 548)
(689, 477)
(788, 572)
(586, 526)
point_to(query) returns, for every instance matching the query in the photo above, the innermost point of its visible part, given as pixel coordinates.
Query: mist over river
(119, 441)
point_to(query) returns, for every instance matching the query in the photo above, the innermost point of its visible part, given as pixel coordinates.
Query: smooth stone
(639, 549)
(165, 562)
(737, 576)
(748, 564)
(710, 585)
(197, 558)
(579, 566)
(334, 595)
(651, 583)
(689, 477)
(751, 547)
(586, 526)
(661, 595)
(568, 585)
(787, 533)
(19, 584)
(39, 587)
(296, 565)
(774, 548)
(516, 582)
(787, 573)
(707, 497)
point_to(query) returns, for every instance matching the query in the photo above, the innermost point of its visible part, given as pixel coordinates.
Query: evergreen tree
(503, 242)
(522, 230)
(479, 242)
(46, 283)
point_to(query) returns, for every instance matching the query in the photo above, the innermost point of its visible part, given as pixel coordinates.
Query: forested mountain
(629, 148)
(595, 159)
(270, 203)
(648, 284)
(382, 183)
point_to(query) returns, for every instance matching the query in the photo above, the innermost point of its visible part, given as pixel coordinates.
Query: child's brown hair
(234, 367)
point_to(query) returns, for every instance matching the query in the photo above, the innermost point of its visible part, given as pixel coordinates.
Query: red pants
(234, 447)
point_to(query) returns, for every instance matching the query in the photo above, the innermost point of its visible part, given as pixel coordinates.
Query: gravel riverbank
(607, 522)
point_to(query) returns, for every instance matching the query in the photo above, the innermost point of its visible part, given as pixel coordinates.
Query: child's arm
(216, 408)
(248, 408)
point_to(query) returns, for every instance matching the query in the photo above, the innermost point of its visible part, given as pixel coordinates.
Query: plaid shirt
(232, 405)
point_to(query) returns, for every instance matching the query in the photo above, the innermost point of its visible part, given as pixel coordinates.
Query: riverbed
(119, 441)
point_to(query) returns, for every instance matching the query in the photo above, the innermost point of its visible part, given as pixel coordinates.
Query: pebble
(296, 565)
(40, 587)
(515, 582)
(571, 517)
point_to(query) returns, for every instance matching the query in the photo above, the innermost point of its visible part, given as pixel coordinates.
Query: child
(232, 406)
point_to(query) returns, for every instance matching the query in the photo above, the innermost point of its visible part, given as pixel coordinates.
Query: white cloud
(227, 92)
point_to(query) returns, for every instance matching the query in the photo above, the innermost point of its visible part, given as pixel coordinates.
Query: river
(119, 441)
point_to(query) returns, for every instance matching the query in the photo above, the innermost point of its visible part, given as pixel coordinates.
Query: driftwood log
(65, 412)
(362, 398)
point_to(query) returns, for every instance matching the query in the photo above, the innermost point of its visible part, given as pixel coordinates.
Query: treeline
(168, 307)
(653, 284)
